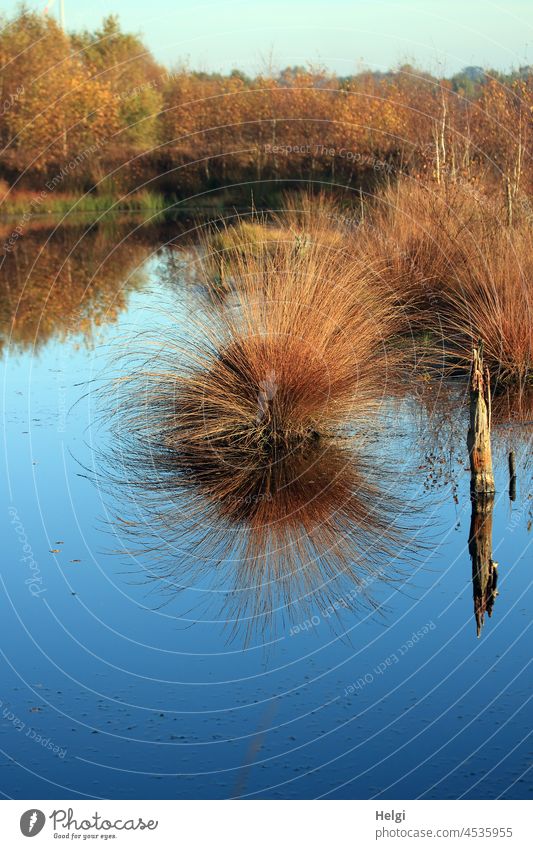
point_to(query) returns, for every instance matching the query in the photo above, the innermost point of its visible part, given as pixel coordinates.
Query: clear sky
(345, 35)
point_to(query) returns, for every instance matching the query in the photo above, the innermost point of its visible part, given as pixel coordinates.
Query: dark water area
(113, 688)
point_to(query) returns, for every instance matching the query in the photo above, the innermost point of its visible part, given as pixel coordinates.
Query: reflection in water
(236, 433)
(441, 432)
(150, 662)
(512, 476)
(69, 281)
(484, 568)
(314, 528)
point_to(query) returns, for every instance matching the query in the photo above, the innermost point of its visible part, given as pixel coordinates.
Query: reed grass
(303, 219)
(256, 431)
(491, 299)
(463, 273)
(300, 348)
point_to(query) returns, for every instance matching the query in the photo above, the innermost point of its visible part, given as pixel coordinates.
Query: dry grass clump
(245, 237)
(463, 273)
(492, 299)
(315, 218)
(417, 237)
(256, 431)
(222, 244)
(304, 219)
(300, 348)
(513, 406)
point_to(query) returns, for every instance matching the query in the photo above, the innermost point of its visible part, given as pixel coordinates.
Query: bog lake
(112, 688)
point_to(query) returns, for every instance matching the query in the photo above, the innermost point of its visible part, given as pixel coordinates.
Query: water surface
(110, 689)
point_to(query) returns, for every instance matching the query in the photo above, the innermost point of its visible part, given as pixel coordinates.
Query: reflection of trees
(67, 282)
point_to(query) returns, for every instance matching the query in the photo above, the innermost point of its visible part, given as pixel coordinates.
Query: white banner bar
(268, 824)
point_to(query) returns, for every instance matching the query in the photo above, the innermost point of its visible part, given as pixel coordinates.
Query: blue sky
(345, 35)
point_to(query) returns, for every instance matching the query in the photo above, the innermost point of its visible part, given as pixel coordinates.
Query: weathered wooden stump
(484, 568)
(478, 440)
(512, 476)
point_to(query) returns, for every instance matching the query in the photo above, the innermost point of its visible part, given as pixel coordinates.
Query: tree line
(97, 108)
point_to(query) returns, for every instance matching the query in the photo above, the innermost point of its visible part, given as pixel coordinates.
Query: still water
(113, 688)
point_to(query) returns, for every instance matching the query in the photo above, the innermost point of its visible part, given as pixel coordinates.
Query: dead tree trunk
(478, 440)
(484, 568)
(512, 476)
